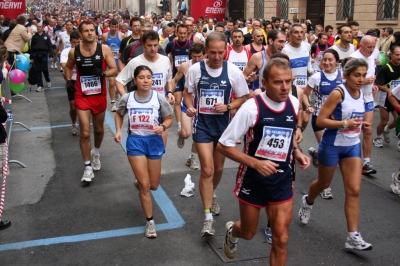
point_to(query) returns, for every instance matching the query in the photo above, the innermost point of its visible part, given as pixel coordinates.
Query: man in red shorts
(91, 60)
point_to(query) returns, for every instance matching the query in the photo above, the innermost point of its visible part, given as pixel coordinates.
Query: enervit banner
(12, 8)
(211, 8)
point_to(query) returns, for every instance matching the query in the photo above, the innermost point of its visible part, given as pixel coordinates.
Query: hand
(375, 89)
(97, 72)
(159, 130)
(118, 137)
(309, 110)
(71, 86)
(302, 161)
(265, 167)
(191, 112)
(298, 135)
(370, 80)
(171, 98)
(354, 123)
(252, 77)
(220, 108)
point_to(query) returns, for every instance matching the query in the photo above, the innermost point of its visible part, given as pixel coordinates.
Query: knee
(99, 131)
(280, 238)
(207, 172)
(85, 135)
(144, 188)
(247, 234)
(353, 192)
(184, 133)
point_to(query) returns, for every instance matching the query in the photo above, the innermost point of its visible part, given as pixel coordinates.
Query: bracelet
(168, 92)
(297, 148)
(345, 125)
(308, 107)
(164, 127)
(301, 128)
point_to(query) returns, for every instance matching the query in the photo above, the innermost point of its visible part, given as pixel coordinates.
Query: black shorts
(71, 95)
(180, 85)
(388, 106)
(314, 124)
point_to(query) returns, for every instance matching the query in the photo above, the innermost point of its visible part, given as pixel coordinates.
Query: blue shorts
(150, 146)
(183, 105)
(314, 124)
(369, 106)
(329, 155)
(203, 137)
(254, 189)
(180, 85)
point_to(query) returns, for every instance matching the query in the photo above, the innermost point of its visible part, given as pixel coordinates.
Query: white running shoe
(215, 209)
(74, 130)
(305, 211)
(87, 174)
(55, 65)
(180, 142)
(378, 142)
(48, 84)
(230, 246)
(191, 162)
(327, 193)
(96, 164)
(314, 155)
(150, 230)
(385, 134)
(357, 243)
(51, 66)
(395, 185)
(39, 89)
(113, 107)
(208, 229)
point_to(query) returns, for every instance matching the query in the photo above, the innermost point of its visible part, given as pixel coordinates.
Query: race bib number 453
(275, 143)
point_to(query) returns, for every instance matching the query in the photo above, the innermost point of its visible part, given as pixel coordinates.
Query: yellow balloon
(26, 47)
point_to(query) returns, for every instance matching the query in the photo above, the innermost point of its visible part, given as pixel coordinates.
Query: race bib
(356, 131)
(91, 85)
(275, 143)
(141, 118)
(394, 84)
(115, 53)
(301, 81)
(180, 59)
(208, 98)
(158, 82)
(240, 65)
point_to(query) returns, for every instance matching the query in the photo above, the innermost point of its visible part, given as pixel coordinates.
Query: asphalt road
(57, 221)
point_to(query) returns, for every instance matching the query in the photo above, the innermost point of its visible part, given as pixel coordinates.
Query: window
(344, 9)
(259, 9)
(282, 9)
(387, 10)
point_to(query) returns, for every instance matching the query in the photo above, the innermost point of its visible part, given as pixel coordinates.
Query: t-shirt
(64, 59)
(200, 37)
(299, 59)
(125, 55)
(65, 39)
(367, 88)
(247, 116)
(125, 41)
(385, 76)
(344, 53)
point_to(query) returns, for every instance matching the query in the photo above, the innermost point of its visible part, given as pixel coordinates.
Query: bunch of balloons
(17, 78)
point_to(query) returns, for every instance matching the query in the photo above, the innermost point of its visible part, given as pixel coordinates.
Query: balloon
(382, 59)
(17, 87)
(17, 76)
(28, 56)
(26, 47)
(22, 63)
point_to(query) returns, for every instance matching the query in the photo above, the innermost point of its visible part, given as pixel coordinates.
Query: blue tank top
(212, 90)
(180, 55)
(271, 137)
(114, 44)
(325, 87)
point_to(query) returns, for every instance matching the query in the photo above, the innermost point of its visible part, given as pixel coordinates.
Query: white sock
(353, 234)
(209, 216)
(179, 125)
(366, 160)
(96, 151)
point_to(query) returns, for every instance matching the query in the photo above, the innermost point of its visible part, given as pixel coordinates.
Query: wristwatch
(345, 125)
(228, 107)
(164, 127)
(103, 74)
(297, 148)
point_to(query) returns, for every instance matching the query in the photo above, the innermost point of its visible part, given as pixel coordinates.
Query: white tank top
(238, 59)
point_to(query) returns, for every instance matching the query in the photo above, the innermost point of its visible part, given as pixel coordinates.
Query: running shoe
(305, 211)
(87, 174)
(180, 142)
(48, 84)
(230, 247)
(385, 134)
(51, 65)
(395, 185)
(215, 209)
(113, 107)
(398, 145)
(357, 243)
(208, 229)
(368, 169)
(327, 193)
(39, 89)
(268, 234)
(96, 164)
(150, 230)
(191, 162)
(55, 65)
(314, 155)
(117, 95)
(74, 130)
(378, 142)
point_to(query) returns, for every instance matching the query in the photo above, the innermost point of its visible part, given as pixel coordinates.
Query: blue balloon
(22, 63)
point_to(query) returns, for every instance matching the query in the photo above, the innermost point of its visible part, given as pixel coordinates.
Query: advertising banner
(12, 8)
(211, 8)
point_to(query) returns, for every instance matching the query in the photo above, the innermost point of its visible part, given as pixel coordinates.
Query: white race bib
(91, 85)
(141, 118)
(240, 65)
(356, 131)
(180, 59)
(158, 82)
(301, 81)
(394, 84)
(208, 98)
(275, 143)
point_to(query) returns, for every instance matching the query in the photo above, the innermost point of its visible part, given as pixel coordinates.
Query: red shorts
(95, 103)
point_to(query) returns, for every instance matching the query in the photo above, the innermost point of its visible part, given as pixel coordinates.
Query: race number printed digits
(208, 98)
(141, 118)
(158, 82)
(91, 85)
(275, 143)
(301, 81)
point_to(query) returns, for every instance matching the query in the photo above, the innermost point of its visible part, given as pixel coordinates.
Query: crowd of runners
(255, 81)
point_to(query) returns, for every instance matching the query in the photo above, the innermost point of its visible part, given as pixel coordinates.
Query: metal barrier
(7, 103)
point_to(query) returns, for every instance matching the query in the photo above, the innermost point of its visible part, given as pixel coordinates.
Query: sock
(112, 102)
(208, 214)
(96, 151)
(387, 129)
(366, 160)
(150, 219)
(353, 234)
(308, 202)
(179, 125)
(87, 163)
(193, 156)
(231, 237)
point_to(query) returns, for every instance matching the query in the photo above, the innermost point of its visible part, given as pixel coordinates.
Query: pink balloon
(17, 76)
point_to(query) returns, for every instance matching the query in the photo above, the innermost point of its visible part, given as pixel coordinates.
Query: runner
(144, 144)
(394, 100)
(322, 84)
(264, 176)
(75, 41)
(113, 39)
(135, 36)
(212, 81)
(388, 78)
(64, 39)
(90, 93)
(341, 144)
(318, 49)
(255, 47)
(197, 53)
(178, 51)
